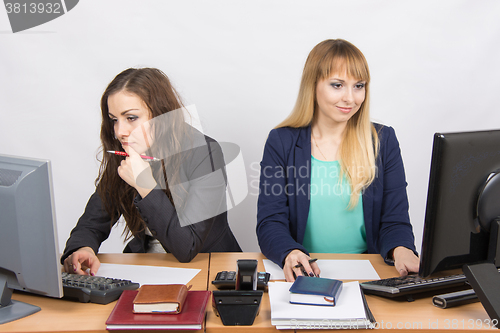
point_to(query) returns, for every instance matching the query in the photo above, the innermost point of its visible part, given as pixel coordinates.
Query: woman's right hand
(83, 261)
(293, 259)
(136, 172)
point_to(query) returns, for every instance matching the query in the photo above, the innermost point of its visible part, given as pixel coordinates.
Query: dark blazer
(184, 242)
(283, 204)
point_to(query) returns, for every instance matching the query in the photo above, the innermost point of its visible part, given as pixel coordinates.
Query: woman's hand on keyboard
(405, 260)
(83, 261)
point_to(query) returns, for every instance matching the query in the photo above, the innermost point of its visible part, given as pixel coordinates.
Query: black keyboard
(412, 284)
(94, 289)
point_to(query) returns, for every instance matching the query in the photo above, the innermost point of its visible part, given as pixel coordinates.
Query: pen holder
(237, 307)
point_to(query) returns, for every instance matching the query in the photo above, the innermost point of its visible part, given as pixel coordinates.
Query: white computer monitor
(29, 254)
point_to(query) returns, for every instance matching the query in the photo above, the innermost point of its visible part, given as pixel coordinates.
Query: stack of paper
(348, 313)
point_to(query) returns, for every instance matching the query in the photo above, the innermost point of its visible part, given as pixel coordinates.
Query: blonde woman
(331, 180)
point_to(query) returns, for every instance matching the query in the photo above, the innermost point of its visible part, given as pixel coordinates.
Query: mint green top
(331, 226)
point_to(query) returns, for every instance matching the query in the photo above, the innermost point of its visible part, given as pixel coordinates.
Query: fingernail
(74, 268)
(311, 274)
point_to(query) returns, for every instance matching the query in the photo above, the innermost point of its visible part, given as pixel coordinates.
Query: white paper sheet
(349, 308)
(148, 274)
(333, 269)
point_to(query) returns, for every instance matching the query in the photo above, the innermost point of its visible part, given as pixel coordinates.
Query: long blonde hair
(360, 144)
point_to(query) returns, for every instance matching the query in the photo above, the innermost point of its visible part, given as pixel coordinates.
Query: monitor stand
(485, 278)
(9, 309)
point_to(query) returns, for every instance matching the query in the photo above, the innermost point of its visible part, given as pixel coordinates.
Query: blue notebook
(315, 291)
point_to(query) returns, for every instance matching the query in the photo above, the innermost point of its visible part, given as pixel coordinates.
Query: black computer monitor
(461, 165)
(28, 237)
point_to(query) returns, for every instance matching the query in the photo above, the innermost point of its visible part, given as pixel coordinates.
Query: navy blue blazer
(284, 198)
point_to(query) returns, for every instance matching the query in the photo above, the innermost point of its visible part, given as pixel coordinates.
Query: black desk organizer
(239, 307)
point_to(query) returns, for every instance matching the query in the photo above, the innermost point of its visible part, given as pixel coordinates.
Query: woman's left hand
(405, 260)
(136, 172)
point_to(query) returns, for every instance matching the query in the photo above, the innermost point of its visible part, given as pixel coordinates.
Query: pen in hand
(299, 265)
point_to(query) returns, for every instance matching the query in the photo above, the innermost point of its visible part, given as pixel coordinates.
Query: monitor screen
(460, 166)
(28, 237)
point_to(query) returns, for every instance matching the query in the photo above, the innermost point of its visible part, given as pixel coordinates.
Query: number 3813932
(33, 8)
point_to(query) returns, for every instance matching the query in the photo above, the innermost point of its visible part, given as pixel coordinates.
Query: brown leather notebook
(160, 298)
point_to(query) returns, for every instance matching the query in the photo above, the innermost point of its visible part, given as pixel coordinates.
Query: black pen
(300, 264)
(302, 269)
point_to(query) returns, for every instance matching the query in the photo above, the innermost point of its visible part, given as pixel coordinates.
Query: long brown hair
(360, 144)
(154, 88)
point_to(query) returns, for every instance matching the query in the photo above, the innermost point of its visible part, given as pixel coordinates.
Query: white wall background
(434, 65)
